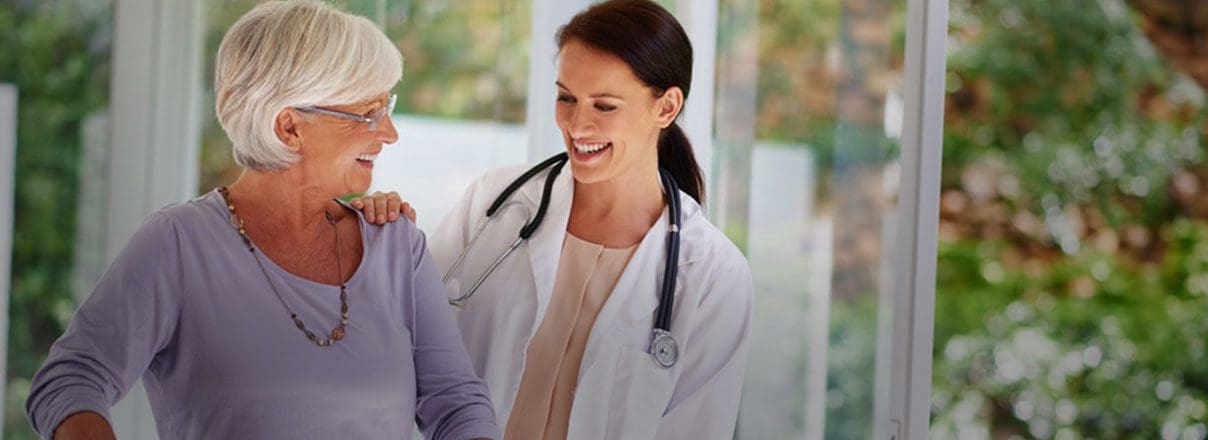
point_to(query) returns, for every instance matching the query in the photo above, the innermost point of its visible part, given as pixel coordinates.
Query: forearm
(85, 425)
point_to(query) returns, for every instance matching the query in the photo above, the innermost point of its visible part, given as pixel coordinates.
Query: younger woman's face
(608, 117)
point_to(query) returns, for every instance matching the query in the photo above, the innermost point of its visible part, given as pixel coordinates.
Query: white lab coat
(622, 393)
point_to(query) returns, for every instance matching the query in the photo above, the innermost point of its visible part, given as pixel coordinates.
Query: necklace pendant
(337, 333)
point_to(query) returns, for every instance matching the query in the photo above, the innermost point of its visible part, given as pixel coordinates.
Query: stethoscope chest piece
(664, 349)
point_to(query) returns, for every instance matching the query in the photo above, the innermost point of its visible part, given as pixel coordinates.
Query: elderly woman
(267, 309)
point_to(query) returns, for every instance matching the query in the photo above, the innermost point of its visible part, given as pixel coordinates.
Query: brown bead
(337, 333)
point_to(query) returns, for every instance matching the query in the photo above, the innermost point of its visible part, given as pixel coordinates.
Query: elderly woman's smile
(366, 160)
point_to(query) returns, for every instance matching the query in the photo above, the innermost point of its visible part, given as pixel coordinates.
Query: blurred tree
(1179, 29)
(1072, 242)
(57, 53)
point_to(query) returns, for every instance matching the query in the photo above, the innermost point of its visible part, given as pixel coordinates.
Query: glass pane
(1070, 290)
(57, 54)
(461, 105)
(465, 83)
(808, 117)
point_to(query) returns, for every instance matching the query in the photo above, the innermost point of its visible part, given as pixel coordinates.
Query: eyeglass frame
(373, 119)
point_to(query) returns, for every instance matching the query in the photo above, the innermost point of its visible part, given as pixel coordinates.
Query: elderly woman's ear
(286, 126)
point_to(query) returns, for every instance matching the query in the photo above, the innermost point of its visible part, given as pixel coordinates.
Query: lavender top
(185, 307)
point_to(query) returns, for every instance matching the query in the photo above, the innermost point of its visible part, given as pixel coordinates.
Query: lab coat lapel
(630, 306)
(636, 296)
(545, 245)
(636, 293)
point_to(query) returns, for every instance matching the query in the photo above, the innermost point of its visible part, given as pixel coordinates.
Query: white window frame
(8, 171)
(155, 137)
(918, 216)
(543, 135)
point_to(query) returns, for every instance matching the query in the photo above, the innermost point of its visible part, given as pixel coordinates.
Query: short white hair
(295, 53)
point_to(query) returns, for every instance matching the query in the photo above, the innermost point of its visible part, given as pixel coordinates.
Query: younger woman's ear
(286, 126)
(668, 106)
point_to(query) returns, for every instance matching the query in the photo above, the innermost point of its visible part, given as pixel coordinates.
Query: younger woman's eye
(605, 107)
(566, 98)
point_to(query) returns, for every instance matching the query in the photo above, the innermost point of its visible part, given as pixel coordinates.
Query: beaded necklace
(337, 333)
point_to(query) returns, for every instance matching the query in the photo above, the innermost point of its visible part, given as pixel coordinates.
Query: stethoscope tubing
(663, 347)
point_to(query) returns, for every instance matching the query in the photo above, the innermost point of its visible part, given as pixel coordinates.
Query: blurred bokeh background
(1072, 280)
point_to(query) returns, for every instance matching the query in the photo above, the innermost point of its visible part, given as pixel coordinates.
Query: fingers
(393, 205)
(366, 205)
(380, 207)
(408, 211)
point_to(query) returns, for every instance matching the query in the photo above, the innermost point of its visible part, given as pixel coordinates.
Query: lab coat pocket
(641, 390)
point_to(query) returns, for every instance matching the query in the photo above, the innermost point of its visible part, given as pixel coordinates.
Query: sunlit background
(1072, 281)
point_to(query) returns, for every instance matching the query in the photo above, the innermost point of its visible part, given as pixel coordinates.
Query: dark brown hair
(654, 45)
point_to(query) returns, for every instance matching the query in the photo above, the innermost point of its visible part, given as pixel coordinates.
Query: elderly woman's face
(338, 153)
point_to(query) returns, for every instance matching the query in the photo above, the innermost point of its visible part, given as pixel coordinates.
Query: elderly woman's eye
(566, 98)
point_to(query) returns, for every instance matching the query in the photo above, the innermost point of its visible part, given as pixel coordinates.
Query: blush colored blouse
(587, 273)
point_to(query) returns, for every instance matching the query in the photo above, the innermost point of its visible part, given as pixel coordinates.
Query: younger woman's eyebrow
(597, 95)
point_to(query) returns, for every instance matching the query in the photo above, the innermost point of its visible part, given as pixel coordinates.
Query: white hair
(295, 53)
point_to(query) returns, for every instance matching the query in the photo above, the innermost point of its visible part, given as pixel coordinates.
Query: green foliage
(806, 59)
(850, 364)
(1072, 96)
(1084, 125)
(57, 53)
(466, 62)
(1093, 344)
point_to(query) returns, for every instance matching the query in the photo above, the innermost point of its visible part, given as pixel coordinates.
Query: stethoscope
(662, 346)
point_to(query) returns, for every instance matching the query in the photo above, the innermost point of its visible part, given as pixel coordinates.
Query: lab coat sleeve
(130, 316)
(707, 393)
(451, 401)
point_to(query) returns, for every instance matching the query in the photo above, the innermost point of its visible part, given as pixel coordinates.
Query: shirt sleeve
(130, 316)
(452, 402)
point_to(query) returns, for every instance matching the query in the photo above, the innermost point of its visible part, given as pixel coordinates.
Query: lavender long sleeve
(185, 307)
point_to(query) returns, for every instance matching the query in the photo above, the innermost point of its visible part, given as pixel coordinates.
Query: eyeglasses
(373, 118)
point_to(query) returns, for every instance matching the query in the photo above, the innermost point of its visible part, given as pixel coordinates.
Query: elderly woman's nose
(386, 131)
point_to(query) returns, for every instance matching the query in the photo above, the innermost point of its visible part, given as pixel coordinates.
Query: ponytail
(676, 156)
